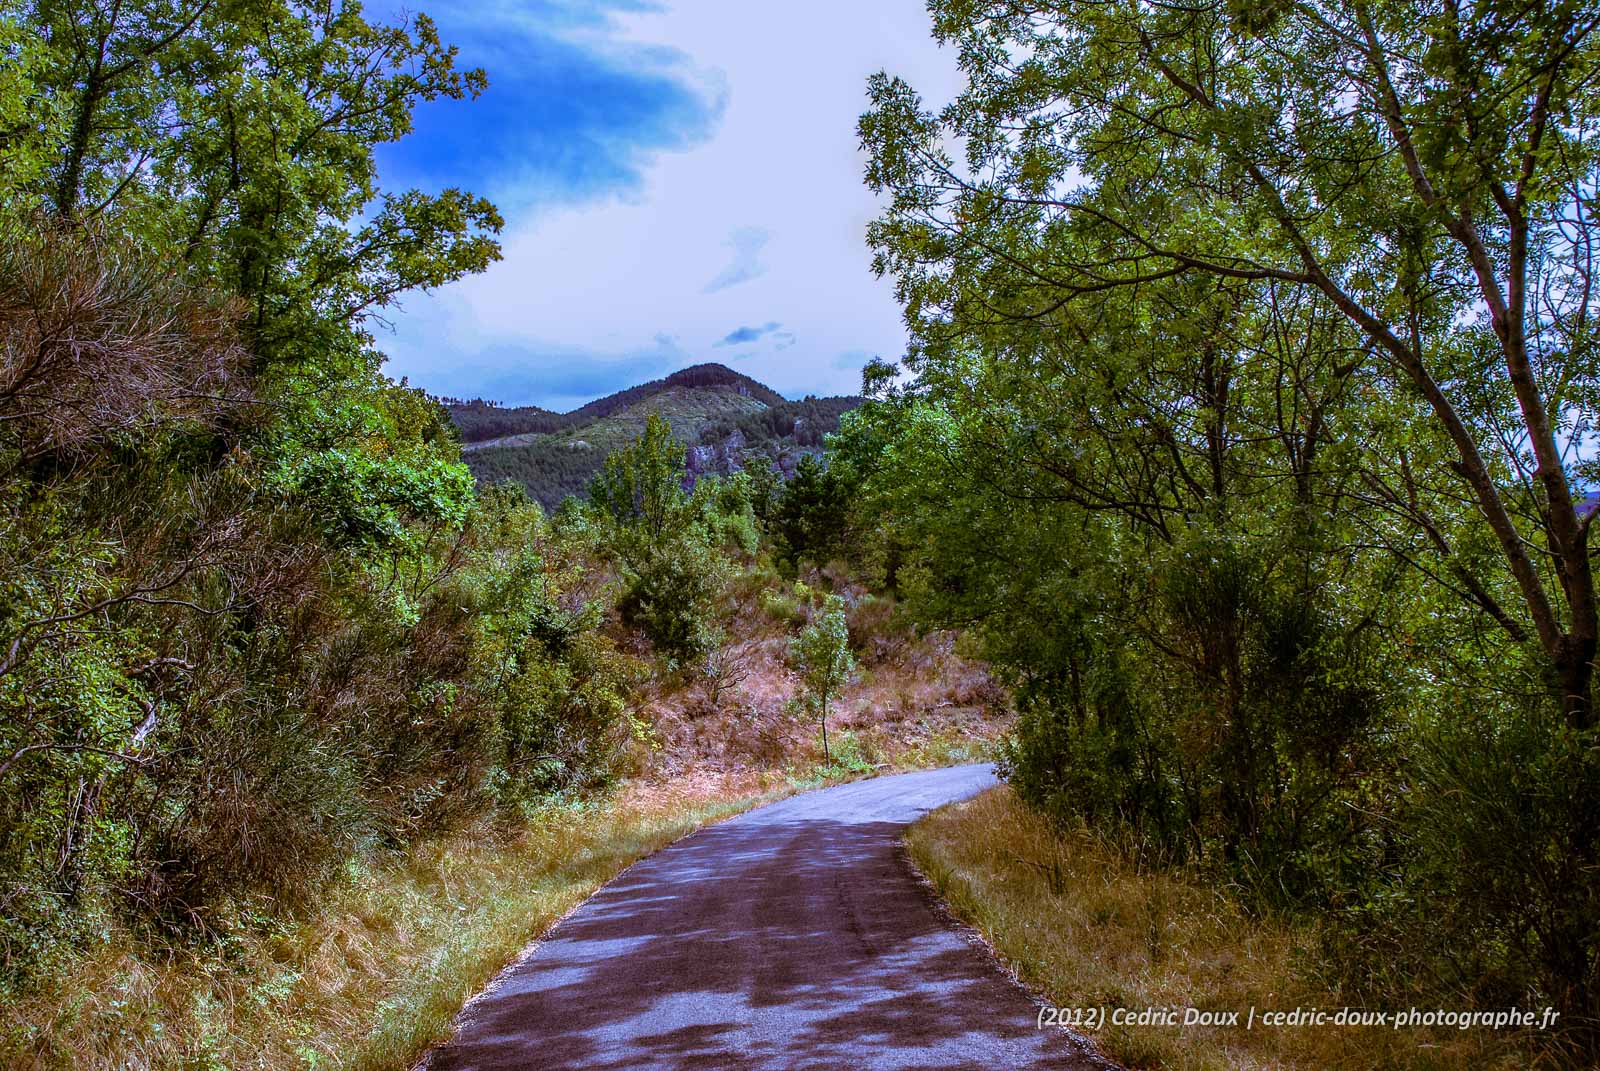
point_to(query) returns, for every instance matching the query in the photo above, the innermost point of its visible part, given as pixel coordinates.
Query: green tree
(232, 548)
(243, 135)
(663, 537)
(640, 490)
(821, 655)
(1420, 172)
(766, 486)
(811, 519)
(1251, 387)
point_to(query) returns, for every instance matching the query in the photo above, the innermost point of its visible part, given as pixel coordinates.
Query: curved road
(792, 936)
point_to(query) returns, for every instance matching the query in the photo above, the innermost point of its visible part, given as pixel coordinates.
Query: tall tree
(241, 134)
(1425, 170)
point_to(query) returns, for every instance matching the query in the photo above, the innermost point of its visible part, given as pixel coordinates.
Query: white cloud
(779, 183)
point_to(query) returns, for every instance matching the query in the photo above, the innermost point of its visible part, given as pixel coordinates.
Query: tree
(812, 516)
(672, 572)
(1424, 171)
(241, 136)
(821, 655)
(766, 486)
(1253, 399)
(641, 487)
(229, 542)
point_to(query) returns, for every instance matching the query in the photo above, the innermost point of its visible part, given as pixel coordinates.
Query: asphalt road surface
(793, 936)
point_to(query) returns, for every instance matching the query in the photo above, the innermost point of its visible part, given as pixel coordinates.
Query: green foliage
(245, 137)
(1245, 377)
(726, 506)
(821, 655)
(847, 759)
(766, 487)
(1495, 838)
(671, 595)
(667, 540)
(811, 519)
(254, 621)
(640, 490)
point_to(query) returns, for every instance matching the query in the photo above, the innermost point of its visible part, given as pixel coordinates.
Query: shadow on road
(781, 939)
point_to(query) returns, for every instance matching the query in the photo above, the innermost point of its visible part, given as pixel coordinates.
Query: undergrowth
(1088, 926)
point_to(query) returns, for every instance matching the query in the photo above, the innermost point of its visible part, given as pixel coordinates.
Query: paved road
(793, 936)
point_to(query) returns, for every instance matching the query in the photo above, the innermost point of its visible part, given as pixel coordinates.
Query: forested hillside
(731, 421)
(481, 420)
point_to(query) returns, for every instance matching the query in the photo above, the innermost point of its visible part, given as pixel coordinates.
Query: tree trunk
(1575, 673)
(827, 756)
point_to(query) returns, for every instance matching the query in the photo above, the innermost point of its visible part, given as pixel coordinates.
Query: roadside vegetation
(1082, 921)
(1248, 427)
(1246, 434)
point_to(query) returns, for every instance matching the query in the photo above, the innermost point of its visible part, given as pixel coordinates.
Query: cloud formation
(660, 173)
(574, 111)
(740, 335)
(747, 243)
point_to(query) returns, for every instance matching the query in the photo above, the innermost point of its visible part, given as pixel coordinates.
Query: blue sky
(681, 183)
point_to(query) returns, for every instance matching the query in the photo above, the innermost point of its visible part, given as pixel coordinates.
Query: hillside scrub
(304, 735)
(370, 974)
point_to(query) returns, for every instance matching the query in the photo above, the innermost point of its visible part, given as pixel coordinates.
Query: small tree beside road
(821, 655)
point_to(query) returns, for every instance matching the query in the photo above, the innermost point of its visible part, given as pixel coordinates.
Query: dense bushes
(220, 682)
(1225, 659)
(671, 544)
(254, 622)
(1486, 886)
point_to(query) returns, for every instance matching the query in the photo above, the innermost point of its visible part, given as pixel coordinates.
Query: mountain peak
(711, 374)
(723, 416)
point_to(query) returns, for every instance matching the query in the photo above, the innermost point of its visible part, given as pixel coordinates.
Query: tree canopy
(1394, 197)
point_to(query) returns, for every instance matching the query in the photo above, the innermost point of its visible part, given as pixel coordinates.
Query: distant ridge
(728, 421)
(481, 421)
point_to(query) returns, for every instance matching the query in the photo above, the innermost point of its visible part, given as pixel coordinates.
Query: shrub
(1484, 883)
(671, 596)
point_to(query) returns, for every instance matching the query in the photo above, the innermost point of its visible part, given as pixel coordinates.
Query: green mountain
(727, 419)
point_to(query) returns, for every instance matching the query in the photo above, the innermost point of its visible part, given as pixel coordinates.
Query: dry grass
(380, 970)
(1084, 925)
(378, 973)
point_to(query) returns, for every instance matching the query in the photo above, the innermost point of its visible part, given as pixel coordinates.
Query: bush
(215, 698)
(1485, 883)
(671, 596)
(849, 757)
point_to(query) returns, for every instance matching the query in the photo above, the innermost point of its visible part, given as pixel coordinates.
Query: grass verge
(1084, 925)
(376, 972)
